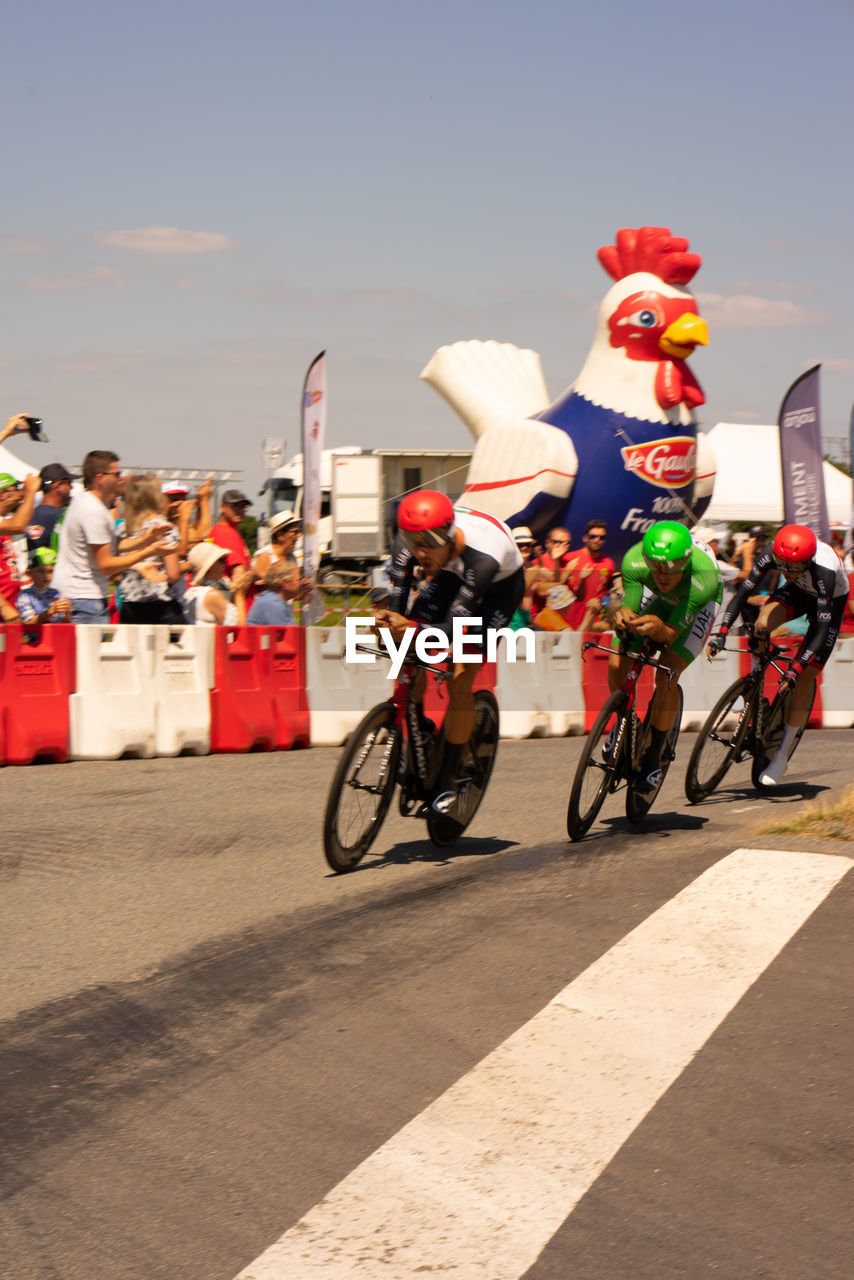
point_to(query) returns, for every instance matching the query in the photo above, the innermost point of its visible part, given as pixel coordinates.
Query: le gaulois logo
(667, 463)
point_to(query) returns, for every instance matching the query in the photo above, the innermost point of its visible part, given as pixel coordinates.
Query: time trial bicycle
(743, 724)
(391, 745)
(616, 746)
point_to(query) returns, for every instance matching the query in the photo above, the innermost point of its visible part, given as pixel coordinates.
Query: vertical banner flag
(849, 532)
(313, 435)
(804, 500)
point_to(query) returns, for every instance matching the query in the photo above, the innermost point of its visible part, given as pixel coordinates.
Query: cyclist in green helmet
(672, 588)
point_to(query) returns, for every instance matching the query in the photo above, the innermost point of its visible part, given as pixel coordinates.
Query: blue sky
(200, 197)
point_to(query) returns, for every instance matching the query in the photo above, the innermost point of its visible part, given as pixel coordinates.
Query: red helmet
(426, 518)
(794, 547)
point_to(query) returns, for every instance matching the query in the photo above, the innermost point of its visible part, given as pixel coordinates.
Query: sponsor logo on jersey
(668, 463)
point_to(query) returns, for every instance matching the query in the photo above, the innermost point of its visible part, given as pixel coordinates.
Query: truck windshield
(282, 497)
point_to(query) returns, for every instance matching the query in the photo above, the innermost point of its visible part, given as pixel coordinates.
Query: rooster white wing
(495, 387)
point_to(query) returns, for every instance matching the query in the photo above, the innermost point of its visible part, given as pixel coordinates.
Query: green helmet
(667, 545)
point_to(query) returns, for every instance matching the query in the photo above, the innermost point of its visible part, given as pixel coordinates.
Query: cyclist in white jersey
(473, 569)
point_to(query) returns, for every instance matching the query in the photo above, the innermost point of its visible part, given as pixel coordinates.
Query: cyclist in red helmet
(472, 569)
(816, 585)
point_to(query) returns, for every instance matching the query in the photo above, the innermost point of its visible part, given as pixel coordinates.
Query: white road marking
(478, 1183)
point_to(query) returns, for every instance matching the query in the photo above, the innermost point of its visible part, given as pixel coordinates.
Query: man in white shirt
(86, 559)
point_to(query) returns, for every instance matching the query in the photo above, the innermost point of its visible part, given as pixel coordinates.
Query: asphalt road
(203, 1030)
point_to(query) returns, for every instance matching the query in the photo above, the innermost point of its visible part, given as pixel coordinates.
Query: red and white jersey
(479, 582)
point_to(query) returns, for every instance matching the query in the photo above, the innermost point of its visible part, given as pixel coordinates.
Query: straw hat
(202, 558)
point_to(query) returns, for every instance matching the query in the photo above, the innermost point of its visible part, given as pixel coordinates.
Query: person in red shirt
(226, 533)
(591, 573)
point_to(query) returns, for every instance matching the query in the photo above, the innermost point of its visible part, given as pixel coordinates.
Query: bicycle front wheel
(477, 766)
(362, 788)
(596, 767)
(773, 735)
(718, 742)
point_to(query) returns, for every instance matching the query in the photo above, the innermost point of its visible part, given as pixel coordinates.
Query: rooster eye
(645, 318)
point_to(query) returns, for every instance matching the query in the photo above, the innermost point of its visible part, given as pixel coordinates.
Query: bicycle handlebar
(644, 658)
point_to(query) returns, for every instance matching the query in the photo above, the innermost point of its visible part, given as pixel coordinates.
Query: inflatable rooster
(621, 445)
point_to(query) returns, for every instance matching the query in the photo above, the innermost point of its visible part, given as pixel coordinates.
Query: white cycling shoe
(775, 770)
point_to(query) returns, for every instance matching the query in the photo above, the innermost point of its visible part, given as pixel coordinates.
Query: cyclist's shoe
(444, 801)
(774, 770)
(651, 772)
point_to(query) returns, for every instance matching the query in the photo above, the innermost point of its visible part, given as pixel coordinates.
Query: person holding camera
(16, 508)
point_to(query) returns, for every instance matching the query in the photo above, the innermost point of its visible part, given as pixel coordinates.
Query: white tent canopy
(749, 483)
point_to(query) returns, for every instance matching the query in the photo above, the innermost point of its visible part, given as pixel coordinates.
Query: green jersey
(690, 607)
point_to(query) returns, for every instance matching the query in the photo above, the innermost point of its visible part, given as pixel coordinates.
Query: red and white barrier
(98, 693)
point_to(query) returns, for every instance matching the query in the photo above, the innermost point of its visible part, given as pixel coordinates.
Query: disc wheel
(362, 788)
(773, 735)
(477, 765)
(718, 742)
(597, 768)
(637, 805)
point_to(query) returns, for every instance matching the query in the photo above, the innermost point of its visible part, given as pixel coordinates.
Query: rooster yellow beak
(680, 338)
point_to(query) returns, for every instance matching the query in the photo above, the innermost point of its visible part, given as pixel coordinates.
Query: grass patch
(820, 821)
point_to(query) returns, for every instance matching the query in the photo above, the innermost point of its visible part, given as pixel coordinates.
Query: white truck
(360, 490)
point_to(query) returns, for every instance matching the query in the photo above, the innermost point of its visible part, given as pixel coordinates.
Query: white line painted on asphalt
(478, 1183)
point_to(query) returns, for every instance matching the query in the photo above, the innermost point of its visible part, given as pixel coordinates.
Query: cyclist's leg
(457, 729)
(679, 655)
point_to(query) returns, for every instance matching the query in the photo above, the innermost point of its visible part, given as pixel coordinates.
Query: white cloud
(165, 240)
(751, 311)
(96, 277)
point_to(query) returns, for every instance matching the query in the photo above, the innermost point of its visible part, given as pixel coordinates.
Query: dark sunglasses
(426, 538)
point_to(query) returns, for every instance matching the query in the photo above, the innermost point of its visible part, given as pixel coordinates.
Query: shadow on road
(784, 793)
(424, 852)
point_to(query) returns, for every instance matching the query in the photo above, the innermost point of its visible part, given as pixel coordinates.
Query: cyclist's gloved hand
(789, 678)
(716, 643)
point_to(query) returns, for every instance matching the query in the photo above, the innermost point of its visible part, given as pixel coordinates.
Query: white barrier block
(564, 682)
(837, 686)
(339, 692)
(522, 691)
(113, 709)
(182, 678)
(703, 683)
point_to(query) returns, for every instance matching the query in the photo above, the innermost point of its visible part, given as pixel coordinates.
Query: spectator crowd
(128, 548)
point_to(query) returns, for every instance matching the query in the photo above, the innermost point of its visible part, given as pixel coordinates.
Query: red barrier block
(790, 646)
(285, 679)
(594, 679)
(436, 699)
(37, 676)
(242, 713)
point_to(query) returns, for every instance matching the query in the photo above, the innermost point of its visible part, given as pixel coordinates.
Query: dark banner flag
(804, 500)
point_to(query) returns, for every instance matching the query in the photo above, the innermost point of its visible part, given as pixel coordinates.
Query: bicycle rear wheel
(478, 763)
(718, 742)
(637, 805)
(362, 788)
(773, 735)
(596, 768)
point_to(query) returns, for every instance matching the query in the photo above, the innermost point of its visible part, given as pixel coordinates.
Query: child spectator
(41, 602)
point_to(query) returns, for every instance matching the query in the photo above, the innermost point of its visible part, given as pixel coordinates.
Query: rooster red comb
(651, 249)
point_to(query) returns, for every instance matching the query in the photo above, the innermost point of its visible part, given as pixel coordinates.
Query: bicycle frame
(419, 765)
(630, 688)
